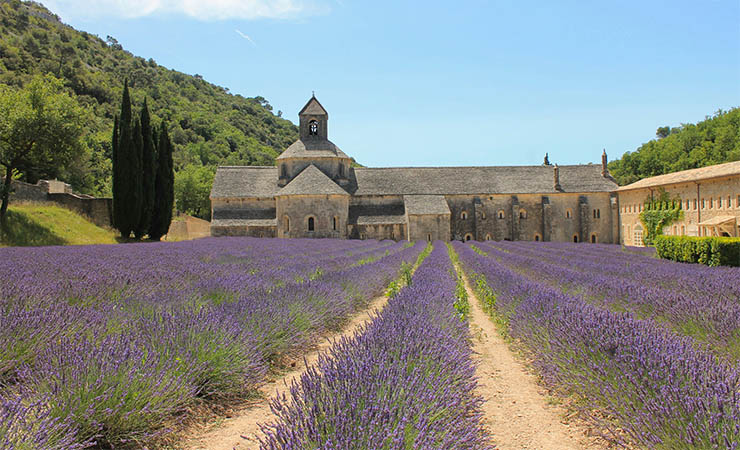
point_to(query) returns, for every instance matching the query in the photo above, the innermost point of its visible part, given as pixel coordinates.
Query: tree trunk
(5, 195)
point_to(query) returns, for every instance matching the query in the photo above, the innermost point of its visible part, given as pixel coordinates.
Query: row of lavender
(650, 385)
(695, 300)
(109, 343)
(404, 381)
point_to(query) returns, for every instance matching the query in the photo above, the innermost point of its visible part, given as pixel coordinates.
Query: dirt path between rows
(240, 431)
(516, 409)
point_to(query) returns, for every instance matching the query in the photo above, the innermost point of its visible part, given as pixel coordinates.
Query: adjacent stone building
(709, 196)
(315, 192)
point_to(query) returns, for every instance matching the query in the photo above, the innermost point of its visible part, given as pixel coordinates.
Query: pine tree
(127, 170)
(164, 187)
(148, 173)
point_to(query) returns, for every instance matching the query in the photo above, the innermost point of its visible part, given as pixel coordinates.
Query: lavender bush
(655, 388)
(406, 380)
(113, 341)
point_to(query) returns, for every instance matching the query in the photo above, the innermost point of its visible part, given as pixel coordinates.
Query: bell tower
(313, 121)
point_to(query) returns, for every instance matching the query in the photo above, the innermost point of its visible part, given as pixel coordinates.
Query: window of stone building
(341, 170)
(719, 203)
(311, 224)
(501, 214)
(637, 240)
(575, 238)
(737, 203)
(483, 215)
(597, 213)
(569, 213)
(675, 230)
(464, 215)
(593, 238)
(313, 128)
(334, 223)
(490, 198)
(522, 213)
(729, 202)
(695, 202)
(687, 205)
(683, 230)
(537, 238)
(711, 202)
(283, 171)
(429, 237)
(468, 237)
(703, 204)
(286, 223)
(488, 237)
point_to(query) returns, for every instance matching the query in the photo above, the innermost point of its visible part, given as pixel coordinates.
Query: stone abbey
(315, 192)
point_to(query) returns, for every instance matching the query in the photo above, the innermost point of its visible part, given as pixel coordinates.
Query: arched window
(468, 237)
(575, 238)
(501, 214)
(593, 238)
(286, 223)
(488, 236)
(429, 237)
(334, 223)
(537, 238)
(313, 128)
(683, 230)
(569, 214)
(597, 213)
(311, 224)
(483, 215)
(522, 213)
(464, 215)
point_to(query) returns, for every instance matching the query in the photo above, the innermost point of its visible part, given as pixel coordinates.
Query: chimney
(556, 171)
(604, 169)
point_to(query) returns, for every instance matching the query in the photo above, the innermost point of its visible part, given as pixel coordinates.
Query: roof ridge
(478, 167)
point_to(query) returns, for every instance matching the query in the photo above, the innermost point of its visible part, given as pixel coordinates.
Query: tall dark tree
(148, 172)
(164, 187)
(127, 166)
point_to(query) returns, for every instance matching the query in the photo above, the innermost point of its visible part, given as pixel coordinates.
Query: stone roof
(245, 182)
(425, 204)
(312, 148)
(387, 214)
(312, 181)
(479, 180)
(702, 173)
(244, 222)
(313, 108)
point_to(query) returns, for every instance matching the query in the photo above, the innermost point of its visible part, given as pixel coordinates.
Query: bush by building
(712, 251)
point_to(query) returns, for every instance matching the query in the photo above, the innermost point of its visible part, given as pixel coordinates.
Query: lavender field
(108, 345)
(648, 347)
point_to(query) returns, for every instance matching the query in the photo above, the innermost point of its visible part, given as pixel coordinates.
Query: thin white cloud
(245, 37)
(198, 9)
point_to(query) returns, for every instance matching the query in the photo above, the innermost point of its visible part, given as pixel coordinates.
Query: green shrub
(712, 251)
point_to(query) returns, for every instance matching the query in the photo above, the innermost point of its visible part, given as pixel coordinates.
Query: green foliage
(713, 141)
(712, 251)
(164, 187)
(127, 182)
(192, 190)
(148, 172)
(658, 214)
(40, 128)
(461, 304)
(208, 125)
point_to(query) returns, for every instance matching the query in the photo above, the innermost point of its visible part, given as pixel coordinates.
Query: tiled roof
(479, 180)
(702, 173)
(244, 222)
(376, 214)
(245, 181)
(312, 181)
(313, 107)
(312, 148)
(426, 204)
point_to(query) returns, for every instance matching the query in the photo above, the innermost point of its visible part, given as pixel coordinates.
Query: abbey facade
(315, 192)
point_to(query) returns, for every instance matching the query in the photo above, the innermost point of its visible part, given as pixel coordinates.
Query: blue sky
(451, 83)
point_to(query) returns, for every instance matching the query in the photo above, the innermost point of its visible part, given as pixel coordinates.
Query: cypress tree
(127, 171)
(164, 187)
(148, 173)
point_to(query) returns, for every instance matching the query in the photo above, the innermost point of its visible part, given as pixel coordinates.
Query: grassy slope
(31, 225)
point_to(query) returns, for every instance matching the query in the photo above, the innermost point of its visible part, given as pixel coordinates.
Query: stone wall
(329, 213)
(703, 199)
(428, 227)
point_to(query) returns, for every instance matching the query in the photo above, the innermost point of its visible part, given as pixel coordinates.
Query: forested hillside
(713, 141)
(208, 125)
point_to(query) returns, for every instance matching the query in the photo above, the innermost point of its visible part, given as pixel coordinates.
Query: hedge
(712, 251)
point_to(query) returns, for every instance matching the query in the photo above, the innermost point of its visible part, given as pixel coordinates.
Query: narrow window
(575, 238)
(737, 203)
(501, 214)
(313, 128)
(694, 204)
(729, 202)
(687, 205)
(593, 238)
(675, 230)
(683, 230)
(468, 237)
(719, 203)
(488, 237)
(334, 223)
(311, 224)
(537, 238)
(429, 237)
(703, 204)
(483, 215)
(286, 223)
(568, 213)
(464, 215)
(522, 214)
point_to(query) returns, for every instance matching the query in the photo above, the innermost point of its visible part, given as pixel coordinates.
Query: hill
(32, 224)
(714, 140)
(208, 125)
